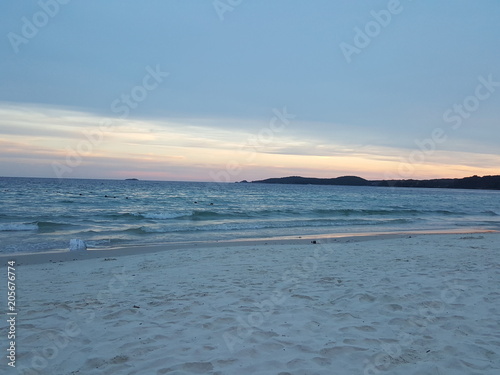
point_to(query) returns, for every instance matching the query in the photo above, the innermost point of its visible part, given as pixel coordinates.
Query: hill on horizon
(473, 182)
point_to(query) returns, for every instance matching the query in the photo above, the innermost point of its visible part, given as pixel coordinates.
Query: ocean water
(38, 215)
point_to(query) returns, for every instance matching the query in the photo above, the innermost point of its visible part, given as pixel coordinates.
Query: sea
(43, 214)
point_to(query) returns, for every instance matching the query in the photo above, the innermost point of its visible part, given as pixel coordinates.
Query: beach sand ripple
(429, 304)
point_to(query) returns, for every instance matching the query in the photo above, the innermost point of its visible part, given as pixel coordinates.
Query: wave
(242, 226)
(98, 243)
(194, 215)
(15, 227)
(137, 216)
(50, 226)
(135, 230)
(158, 215)
(207, 215)
(382, 212)
(232, 217)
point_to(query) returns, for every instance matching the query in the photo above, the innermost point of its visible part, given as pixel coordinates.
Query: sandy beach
(401, 304)
(233, 187)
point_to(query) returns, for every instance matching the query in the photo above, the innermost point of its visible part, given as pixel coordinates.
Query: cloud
(194, 149)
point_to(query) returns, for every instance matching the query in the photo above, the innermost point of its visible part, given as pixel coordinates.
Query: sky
(231, 90)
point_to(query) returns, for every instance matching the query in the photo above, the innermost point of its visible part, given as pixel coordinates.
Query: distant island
(131, 179)
(473, 182)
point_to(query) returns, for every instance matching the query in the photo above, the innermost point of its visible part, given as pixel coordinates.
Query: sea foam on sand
(419, 304)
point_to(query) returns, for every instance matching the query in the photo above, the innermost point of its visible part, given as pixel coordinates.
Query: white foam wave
(14, 227)
(98, 243)
(158, 215)
(154, 230)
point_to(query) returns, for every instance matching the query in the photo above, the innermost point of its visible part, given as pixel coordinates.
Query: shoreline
(67, 255)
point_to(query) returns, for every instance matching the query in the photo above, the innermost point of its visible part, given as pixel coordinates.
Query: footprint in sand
(270, 347)
(119, 359)
(366, 297)
(340, 350)
(394, 307)
(322, 361)
(124, 313)
(366, 328)
(198, 367)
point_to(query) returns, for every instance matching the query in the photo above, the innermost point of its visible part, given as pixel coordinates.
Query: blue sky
(231, 65)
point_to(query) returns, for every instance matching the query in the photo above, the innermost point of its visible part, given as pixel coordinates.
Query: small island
(473, 182)
(131, 179)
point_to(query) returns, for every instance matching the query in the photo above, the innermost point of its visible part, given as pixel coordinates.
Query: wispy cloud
(188, 149)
